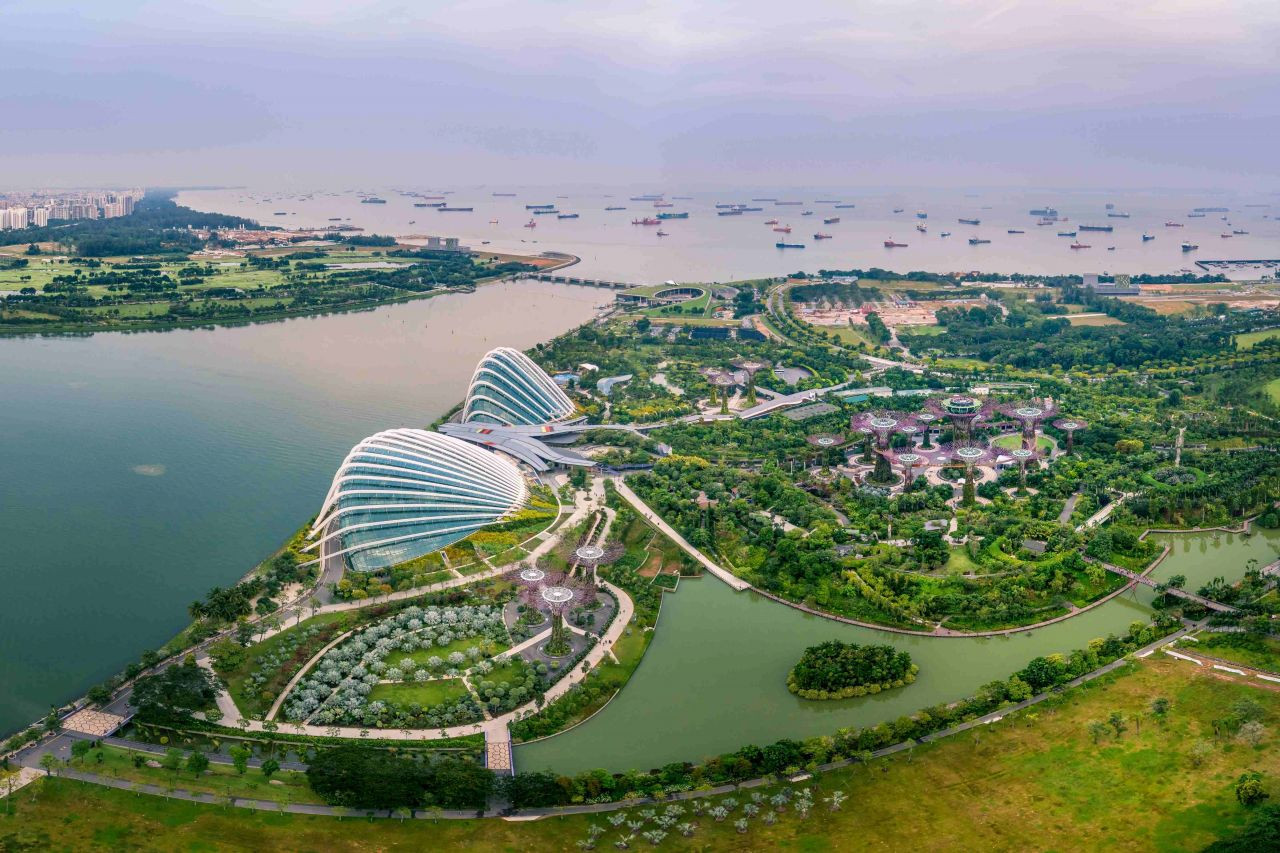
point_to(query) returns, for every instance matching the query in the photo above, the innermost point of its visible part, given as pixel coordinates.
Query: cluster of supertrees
(553, 593)
(751, 366)
(966, 450)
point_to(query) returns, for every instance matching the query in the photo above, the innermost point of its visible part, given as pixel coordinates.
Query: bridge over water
(1180, 593)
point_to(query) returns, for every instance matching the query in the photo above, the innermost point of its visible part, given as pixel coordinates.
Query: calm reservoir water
(714, 677)
(139, 470)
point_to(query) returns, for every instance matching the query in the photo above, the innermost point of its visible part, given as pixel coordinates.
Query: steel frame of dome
(508, 389)
(403, 493)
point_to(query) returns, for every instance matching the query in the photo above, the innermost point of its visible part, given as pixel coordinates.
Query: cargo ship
(889, 244)
(281, 213)
(1016, 231)
(764, 199)
(663, 204)
(734, 212)
(1097, 228)
(648, 220)
(726, 206)
(781, 245)
(920, 214)
(844, 206)
(977, 241)
(822, 236)
(788, 203)
(539, 206)
(421, 204)
(1211, 209)
(504, 195)
(1189, 247)
(898, 209)
(1147, 237)
(1066, 233)
(1195, 216)
(783, 229)
(647, 197)
(373, 200)
(455, 209)
(771, 222)
(1172, 224)
(945, 234)
(837, 201)
(807, 213)
(673, 215)
(566, 216)
(615, 208)
(831, 220)
(1115, 215)
(545, 212)
(1047, 221)
(663, 233)
(1239, 231)
(1047, 212)
(1225, 236)
(751, 209)
(1081, 246)
(970, 221)
(921, 228)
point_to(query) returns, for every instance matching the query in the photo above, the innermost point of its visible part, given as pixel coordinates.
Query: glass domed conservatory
(403, 493)
(508, 389)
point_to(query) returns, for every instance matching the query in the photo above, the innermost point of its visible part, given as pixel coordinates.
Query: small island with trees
(839, 670)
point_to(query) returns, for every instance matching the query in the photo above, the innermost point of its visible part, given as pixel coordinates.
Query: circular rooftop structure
(589, 552)
(960, 405)
(970, 454)
(557, 594)
(532, 575)
(1022, 454)
(882, 423)
(1029, 412)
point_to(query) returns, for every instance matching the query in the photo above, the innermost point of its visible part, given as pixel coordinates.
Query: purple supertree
(963, 410)
(968, 455)
(1022, 457)
(882, 425)
(925, 420)
(751, 366)
(1070, 426)
(910, 460)
(553, 593)
(1030, 413)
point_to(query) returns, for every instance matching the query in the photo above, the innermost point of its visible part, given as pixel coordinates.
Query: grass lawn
(1094, 320)
(1014, 440)
(1248, 649)
(1273, 390)
(425, 694)
(506, 671)
(1030, 782)
(420, 656)
(960, 562)
(847, 335)
(1248, 339)
(219, 780)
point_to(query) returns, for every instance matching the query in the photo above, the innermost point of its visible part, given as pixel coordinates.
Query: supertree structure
(968, 455)
(751, 366)
(925, 421)
(1030, 413)
(825, 440)
(1022, 457)
(882, 426)
(910, 460)
(591, 556)
(962, 410)
(1070, 426)
(723, 381)
(553, 593)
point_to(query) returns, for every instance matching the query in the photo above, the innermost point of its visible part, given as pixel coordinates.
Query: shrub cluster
(839, 670)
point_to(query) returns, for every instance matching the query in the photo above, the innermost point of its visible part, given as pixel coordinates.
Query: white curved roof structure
(406, 492)
(508, 389)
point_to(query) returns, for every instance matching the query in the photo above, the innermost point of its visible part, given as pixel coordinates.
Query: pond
(714, 677)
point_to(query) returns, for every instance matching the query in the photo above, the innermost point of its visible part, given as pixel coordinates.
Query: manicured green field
(426, 694)
(1014, 441)
(1248, 339)
(1031, 782)
(1273, 390)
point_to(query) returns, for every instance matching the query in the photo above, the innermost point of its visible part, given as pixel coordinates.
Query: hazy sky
(344, 93)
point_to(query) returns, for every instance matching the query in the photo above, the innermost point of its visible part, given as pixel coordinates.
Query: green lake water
(139, 470)
(714, 677)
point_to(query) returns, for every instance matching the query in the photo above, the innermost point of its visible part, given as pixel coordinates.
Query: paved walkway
(670, 532)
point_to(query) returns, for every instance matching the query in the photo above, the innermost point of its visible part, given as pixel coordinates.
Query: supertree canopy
(882, 425)
(553, 593)
(968, 455)
(1024, 456)
(751, 366)
(1030, 413)
(909, 460)
(963, 410)
(1070, 426)
(925, 420)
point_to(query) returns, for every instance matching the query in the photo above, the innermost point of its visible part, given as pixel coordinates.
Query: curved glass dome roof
(508, 389)
(406, 492)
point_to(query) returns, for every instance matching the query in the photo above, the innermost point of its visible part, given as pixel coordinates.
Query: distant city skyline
(684, 95)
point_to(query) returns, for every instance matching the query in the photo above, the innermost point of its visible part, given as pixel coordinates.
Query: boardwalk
(1180, 593)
